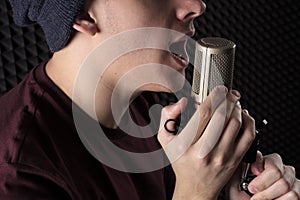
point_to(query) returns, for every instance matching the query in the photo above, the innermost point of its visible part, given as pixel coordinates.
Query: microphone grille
(197, 73)
(221, 72)
(213, 65)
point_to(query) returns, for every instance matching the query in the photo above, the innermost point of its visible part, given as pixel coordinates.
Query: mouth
(179, 53)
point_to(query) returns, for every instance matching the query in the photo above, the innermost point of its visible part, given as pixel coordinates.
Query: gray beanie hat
(56, 18)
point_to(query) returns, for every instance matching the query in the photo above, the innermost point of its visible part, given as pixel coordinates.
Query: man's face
(117, 16)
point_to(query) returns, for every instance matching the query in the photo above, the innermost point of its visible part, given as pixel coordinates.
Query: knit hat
(56, 18)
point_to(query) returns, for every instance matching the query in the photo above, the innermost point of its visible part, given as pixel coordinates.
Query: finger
(258, 166)
(193, 129)
(232, 99)
(284, 188)
(289, 175)
(291, 195)
(232, 129)
(281, 187)
(217, 124)
(274, 161)
(205, 111)
(296, 187)
(276, 190)
(246, 137)
(274, 170)
(170, 112)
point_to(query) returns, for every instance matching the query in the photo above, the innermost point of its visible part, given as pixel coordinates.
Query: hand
(274, 181)
(215, 151)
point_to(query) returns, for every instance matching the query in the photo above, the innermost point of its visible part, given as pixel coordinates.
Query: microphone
(213, 65)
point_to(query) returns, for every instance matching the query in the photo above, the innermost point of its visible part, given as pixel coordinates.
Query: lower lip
(183, 63)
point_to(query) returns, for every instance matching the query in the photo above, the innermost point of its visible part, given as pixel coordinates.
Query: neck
(63, 69)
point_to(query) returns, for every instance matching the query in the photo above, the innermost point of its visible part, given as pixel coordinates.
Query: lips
(182, 61)
(178, 52)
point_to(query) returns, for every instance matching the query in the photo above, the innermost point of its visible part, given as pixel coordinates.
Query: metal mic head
(213, 66)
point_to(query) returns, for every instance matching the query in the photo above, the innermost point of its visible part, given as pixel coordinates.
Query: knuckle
(205, 112)
(237, 122)
(276, 173)
(231, 96)
(277, 157)
(296, 187)
(252, 135)
(284, 185)
(292, 169)
(204, 162)
(292, 195)
(249, 122)
(164, 111)
(252, 121)
(249, 119)
(219, 162)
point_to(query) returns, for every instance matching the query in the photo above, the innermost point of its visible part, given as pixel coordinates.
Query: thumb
(258, 166)
(170, 112)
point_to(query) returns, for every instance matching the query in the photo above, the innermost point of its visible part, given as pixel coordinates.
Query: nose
(188, 10)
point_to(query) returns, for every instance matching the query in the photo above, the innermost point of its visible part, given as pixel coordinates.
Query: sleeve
(26, 183)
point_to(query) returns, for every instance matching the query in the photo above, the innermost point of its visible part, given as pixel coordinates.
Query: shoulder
(29, 182)
(25, 166)
(17, 112)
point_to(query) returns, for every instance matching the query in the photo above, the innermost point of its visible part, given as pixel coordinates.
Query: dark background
(267, 70)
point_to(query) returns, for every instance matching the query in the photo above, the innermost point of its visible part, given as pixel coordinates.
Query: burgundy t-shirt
(42, 156)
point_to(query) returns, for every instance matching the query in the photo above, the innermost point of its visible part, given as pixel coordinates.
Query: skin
(107, 18)
(197, 177)
(220, 167)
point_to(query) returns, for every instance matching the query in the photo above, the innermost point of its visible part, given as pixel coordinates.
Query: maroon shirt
(42, 156)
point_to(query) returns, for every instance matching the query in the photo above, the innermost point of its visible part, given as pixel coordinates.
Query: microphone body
(213, 65)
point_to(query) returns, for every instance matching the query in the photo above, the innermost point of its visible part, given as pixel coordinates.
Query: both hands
(210, 159)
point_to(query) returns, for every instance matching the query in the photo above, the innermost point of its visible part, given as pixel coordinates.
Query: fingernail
(235, 93)
(246, 112)
(252, 189)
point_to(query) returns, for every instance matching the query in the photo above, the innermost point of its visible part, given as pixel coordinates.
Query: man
(42, 156)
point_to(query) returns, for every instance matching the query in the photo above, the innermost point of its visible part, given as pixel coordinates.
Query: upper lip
(179, 48)
(178, 45)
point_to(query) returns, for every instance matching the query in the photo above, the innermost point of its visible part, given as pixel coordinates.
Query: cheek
(141, 13)
(146, 56)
